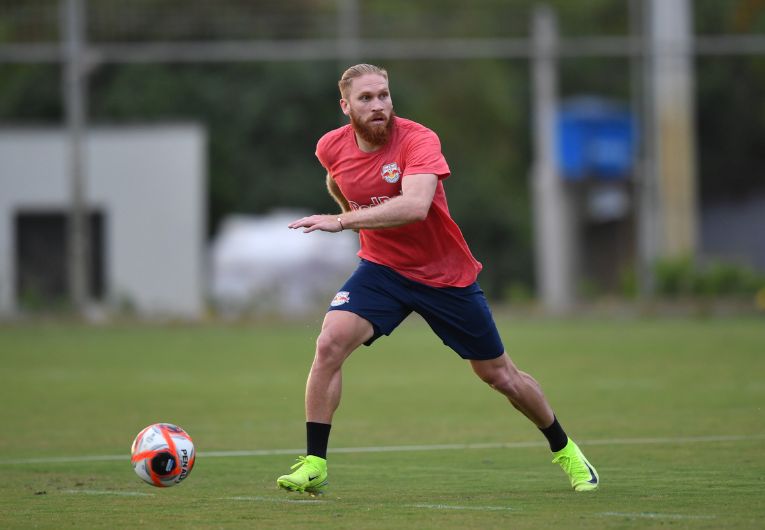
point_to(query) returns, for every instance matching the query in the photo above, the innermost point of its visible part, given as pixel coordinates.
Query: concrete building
(146, 197)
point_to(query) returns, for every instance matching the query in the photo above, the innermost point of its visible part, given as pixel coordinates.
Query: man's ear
(344, 106)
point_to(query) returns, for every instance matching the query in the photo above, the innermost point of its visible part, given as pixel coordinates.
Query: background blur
(599, 148)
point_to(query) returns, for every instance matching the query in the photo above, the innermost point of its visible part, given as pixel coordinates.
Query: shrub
(683, 277)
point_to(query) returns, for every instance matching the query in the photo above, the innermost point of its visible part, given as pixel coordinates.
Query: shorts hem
(472, 357)
(376, 333)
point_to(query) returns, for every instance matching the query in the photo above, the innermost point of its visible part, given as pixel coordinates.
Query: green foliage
(675, 277)
(628, 283)
(683, 277)
(720, 278)
(262, 120)
(519, 293)
(30, 94)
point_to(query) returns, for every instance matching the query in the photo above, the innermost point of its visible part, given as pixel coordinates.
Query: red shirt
(432, 251)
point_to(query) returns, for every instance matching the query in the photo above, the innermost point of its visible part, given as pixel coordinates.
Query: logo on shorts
(391, 173)
(342, 297)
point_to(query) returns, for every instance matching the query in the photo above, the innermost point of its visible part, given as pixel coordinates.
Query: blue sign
(596, 139)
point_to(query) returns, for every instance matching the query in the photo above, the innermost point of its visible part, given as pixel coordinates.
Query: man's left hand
(325, 223)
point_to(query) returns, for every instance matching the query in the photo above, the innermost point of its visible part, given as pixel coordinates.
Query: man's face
(370, 108)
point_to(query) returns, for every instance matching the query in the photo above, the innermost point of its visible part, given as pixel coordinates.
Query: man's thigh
(377, 295)
(461, 317)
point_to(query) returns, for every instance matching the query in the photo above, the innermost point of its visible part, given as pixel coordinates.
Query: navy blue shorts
(460, 316)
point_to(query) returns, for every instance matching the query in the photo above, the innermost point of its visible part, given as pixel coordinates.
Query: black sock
(317, 435)
(555, 435)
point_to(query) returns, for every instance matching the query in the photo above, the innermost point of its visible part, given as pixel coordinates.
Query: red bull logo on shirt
(391, 173)
(342, 297)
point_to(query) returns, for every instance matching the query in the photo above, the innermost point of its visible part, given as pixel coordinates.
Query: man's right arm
(334, 191)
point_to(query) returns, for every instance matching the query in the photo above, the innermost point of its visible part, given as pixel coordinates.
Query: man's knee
(505, 379)
(333, 346)
(328, 344)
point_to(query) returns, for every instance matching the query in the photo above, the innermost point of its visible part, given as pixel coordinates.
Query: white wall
(150, 183)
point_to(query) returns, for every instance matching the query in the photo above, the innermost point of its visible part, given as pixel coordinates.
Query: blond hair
(357, 71)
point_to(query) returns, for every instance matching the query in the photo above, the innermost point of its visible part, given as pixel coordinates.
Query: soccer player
(385, 172)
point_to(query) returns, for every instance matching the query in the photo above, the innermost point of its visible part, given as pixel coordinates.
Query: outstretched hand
(325, 223)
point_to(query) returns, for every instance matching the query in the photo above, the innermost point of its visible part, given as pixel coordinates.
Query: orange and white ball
(162, 454)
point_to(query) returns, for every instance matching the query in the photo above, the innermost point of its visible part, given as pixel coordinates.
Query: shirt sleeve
(423, 155)
(322, 152)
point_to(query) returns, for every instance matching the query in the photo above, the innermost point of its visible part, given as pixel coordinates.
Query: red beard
(373, 134)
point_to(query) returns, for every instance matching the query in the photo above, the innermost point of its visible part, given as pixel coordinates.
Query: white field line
(107, 492)
(639, 515)
(325, 501)
(456, 507)
(403, 448)
(650, 515)
(275, 500)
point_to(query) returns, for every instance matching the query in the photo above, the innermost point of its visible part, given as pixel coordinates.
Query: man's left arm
(337, 194)
(412, 205)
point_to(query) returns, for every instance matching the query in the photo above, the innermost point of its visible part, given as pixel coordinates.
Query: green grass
(670, 412)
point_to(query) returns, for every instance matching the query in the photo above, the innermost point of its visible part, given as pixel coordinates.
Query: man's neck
(366, 146)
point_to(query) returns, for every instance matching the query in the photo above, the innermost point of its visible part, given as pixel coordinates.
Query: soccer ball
(162, 454)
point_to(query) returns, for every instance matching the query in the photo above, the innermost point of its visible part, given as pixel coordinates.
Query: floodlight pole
(670, 111)
(73, 24)
(553, 220)
(348, 40)
(646, 193)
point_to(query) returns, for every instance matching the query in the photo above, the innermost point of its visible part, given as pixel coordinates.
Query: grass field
(670, 411)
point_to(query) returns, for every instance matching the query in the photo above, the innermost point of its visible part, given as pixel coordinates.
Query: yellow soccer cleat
(580, 472)
(309, 475)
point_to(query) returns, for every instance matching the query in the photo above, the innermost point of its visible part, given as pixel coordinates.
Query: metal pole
(73, 25)
(670, 86)
(348, 42)
(646, 209)
(552, 207)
